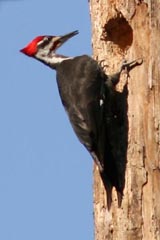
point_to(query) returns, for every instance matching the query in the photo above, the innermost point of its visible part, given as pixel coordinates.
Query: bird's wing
(80, 82)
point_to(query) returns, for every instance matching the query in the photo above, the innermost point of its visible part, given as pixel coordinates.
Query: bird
(83, 88)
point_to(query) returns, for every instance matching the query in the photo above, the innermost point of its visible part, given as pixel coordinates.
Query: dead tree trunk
(130, 29)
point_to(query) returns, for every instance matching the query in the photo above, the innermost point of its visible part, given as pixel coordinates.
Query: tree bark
(130, 29)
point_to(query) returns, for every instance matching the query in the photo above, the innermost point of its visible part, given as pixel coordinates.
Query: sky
(45, 173)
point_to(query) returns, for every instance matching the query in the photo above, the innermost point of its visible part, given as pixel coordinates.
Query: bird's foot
(128, 66)
(102, 65)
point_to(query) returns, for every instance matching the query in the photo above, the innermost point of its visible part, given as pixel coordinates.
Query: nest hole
(119, 32)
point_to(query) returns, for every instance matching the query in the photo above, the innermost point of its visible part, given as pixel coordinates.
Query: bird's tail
(111, 177)
(108, 185)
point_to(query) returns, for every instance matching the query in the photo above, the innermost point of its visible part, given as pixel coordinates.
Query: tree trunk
(130, 29)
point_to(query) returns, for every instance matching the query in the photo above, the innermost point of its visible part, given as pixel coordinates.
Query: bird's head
(43, 47)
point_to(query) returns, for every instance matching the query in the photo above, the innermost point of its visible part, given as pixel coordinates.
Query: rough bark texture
(130, 29)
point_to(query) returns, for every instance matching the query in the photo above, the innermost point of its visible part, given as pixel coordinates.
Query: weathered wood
(129, 30)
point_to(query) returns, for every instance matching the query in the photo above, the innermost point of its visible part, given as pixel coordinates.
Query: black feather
(87, 100)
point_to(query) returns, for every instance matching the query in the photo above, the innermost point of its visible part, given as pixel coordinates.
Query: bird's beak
(57, 42)
(67, 36)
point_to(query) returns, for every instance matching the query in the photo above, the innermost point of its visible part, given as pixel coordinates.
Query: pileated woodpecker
(83, 88)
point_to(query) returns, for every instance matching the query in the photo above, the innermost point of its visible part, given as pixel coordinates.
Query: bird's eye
(45, 39)
(43, 42)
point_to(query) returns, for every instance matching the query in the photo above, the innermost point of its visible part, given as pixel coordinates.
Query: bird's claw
(102, 65)
(128, 66)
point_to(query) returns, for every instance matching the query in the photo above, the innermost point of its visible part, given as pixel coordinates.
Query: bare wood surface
(130, 30)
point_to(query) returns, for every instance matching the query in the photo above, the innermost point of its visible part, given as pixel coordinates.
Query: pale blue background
(45, 173)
